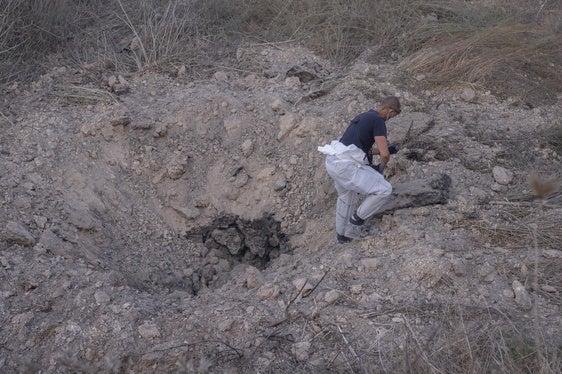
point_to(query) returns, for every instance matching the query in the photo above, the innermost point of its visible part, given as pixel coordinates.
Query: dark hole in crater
(230, 241)
(254, 242)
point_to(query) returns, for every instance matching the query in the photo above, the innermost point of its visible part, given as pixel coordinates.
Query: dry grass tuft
(84, 95)
(512, 227)
(488, 57)
(543, 186)
(475, 58)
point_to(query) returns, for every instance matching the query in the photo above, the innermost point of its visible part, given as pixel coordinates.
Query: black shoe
(340, 239)
(360, 231)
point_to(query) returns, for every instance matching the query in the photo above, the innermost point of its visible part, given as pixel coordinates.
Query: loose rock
(18, 234)
(148, 331)
(522, 297)
(502, 175)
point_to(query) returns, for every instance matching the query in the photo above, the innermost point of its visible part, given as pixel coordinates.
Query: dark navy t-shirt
(363, 129)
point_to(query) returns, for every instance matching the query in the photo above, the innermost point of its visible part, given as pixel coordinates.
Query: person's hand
(393, 148)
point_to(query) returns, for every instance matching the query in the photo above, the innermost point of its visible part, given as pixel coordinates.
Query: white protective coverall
(352, 175)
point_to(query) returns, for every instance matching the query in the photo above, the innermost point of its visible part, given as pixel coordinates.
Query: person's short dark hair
(390, 102)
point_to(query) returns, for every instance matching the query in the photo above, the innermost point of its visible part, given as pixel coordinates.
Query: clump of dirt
(254, 242)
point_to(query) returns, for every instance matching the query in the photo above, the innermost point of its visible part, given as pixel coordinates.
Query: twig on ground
(6, 118)
(420, 348)
(308, 292)
(350, 347)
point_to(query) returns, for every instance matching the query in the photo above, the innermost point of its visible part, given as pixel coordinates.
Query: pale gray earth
(153, 223)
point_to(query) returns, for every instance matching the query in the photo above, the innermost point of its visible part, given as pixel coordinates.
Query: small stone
(225, 325)
(508, 293)
(292, 82)
(18, 234)
(220, 76)
(247, 147)
(148, 331)
(468, 94)
(277, 105)
(160, 130)
(279, 185)
(40, 221)
(459, 269)
(101, 297)
(119, 116)
(142, 124)
(286, 124)
(548, 288)
(375, 297)
(496, 187)
(522, 297)
(300, 350)
(120, 121)
(356, 289)
(187, 212)
(502, 175)
(265, 174)
(111, 81)
(182, 72)
(371, 263)
(120, 89)
(331, 296)
(253, 277)
(302, 284)
(176, 168)
(269, 291)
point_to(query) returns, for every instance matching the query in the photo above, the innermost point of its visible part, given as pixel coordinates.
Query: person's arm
(382, 150)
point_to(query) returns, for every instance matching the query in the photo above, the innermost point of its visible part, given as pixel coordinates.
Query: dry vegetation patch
(512, 48)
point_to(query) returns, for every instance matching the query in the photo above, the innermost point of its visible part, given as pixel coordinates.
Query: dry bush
(512, 49)
(457, 338)
(167, 32)
(512, 226)
(338, 30)
(32, 29)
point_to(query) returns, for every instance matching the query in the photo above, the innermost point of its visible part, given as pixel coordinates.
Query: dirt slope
(158, 224)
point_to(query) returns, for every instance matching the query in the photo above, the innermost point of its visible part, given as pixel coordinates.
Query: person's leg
(342, 172)
(352, 179)
(373, 203)
(345, 206)
(369, 182)
(378, 191)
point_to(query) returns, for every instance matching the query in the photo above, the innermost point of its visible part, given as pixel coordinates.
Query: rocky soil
(152, 223)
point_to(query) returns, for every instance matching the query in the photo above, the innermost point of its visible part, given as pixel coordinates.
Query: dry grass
(510, 47)
(30, 30)
(511, 229)
(84, 95)
(553, 137)
(504, 58)
(474, 58)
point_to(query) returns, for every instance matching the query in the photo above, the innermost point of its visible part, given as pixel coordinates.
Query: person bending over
(349, 162)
